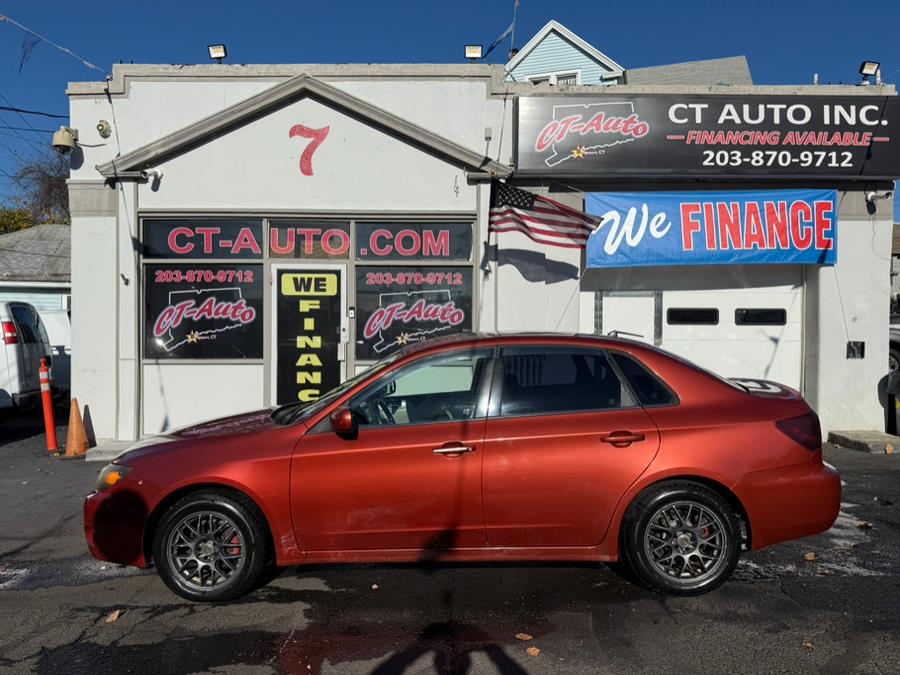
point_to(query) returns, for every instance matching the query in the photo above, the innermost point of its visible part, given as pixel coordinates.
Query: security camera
(65, 140)
(155, 174)
(873, 196)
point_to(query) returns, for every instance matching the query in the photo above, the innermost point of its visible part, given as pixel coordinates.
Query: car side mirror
(343, 423)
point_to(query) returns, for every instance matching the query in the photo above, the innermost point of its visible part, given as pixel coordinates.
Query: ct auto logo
(583, 130)
(413, 316)
(195, 315)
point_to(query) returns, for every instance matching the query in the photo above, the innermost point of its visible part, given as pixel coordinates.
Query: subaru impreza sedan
(473, 448)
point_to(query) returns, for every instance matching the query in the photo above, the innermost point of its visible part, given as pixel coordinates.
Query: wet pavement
(781, 613)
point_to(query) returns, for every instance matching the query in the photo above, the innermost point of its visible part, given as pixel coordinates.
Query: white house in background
(556, 56)
(35, 266)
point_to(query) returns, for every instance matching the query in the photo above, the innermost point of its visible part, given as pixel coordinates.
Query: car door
(562, 445)
(31, 344)
(410, 478)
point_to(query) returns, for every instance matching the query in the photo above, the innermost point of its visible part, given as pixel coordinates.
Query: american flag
(540, 219)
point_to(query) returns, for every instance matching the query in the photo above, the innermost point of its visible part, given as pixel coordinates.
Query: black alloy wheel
(212, 546)
(681, 538)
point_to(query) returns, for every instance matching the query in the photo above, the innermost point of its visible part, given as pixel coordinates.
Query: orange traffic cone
(76, 440)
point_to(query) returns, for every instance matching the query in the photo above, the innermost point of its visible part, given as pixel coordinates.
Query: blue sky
(785, 41)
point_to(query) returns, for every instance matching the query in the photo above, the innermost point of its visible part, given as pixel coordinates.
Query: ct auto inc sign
(716, 136)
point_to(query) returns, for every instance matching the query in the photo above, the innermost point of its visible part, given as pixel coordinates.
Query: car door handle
(453, 450)
(621, 439)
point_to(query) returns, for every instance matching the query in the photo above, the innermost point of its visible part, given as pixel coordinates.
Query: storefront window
(413, 241)
(212, 311)
(310, 240)
(202, 238)
(399, 305)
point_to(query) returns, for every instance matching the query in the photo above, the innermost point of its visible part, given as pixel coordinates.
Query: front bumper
(790, 502)
(114, 522)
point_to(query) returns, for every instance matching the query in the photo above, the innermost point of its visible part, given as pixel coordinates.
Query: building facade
(252, 235)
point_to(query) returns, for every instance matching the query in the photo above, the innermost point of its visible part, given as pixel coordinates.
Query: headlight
(111, 474)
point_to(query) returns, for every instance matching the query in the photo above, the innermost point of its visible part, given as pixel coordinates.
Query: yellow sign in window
(309, 284)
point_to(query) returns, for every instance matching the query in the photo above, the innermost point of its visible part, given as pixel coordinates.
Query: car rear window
(26, 322)
(646, 386)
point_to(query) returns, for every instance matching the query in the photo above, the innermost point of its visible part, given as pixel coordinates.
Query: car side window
(440, 388)
(559, 380)
(646, 386)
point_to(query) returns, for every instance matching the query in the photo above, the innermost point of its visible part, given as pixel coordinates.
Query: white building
(242, 236)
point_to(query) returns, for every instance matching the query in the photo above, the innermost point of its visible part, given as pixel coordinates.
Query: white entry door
(311, 331)
(630, 314)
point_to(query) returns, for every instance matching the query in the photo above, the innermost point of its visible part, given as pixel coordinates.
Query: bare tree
(42, 186)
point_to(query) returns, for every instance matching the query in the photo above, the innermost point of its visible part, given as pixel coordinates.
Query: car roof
(471, 338)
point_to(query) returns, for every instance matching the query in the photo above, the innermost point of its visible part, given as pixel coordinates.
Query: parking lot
(825, 604)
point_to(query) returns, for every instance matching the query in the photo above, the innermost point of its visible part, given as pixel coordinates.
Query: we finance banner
(643, 229)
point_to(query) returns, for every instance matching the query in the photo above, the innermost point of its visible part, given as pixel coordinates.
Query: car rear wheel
(893, 359)
(681, 538)
(211, 546)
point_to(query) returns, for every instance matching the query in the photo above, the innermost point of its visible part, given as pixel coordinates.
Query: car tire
(893, 358)
(681, 538)
(212, 546)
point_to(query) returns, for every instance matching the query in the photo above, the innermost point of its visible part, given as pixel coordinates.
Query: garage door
(739, 322)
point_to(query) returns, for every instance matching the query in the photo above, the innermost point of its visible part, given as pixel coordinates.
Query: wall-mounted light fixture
(868, 69)
(217, 52)
(474, 52)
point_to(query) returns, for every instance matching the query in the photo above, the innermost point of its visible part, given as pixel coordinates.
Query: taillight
(10, 336)
(803, 429)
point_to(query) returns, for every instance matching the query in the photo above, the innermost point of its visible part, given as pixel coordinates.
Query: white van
(24, 343)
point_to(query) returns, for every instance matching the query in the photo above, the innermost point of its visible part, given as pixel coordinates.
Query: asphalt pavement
(826, 604)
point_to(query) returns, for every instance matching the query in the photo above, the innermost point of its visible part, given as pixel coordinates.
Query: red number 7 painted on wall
(316, 136)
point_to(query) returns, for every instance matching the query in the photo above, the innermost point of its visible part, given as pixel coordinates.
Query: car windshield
(291, 412)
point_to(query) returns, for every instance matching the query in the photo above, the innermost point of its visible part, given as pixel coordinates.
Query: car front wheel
(681, 538)
(211, 546)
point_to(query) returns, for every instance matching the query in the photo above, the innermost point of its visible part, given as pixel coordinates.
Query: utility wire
(6, 125)
(23, 111)
(84, 61)
(33, 130)
(25, 119)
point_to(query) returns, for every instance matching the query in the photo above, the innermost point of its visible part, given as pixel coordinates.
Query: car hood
(243, 423)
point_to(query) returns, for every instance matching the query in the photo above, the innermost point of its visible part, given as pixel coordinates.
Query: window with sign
(397, 306)
(309, 240)
(413, 241)
(212, 311)
(191, 239)
(202, 288)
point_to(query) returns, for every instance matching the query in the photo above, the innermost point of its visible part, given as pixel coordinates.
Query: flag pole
(512, 39)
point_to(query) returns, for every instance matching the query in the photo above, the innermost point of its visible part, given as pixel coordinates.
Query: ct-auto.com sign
(675, 136)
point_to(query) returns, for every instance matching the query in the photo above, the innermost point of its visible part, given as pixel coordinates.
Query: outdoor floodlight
(473, 52)
(217, 52)
(869, 68)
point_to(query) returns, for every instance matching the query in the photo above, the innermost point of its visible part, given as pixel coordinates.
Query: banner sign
(396, 306)
(308, 325)
(641, 229)
(414, 241)
(675, 136)
(211, 311)
(206, 238)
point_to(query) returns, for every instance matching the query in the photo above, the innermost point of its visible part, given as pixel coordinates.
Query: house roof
(39, 253)
(732, 70)
(283, 94)
(581, 43)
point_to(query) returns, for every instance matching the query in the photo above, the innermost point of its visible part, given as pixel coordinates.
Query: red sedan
(527, 447)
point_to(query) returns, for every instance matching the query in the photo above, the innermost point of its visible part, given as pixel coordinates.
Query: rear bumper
(114, 527)
(790, 502)
(26, 399)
